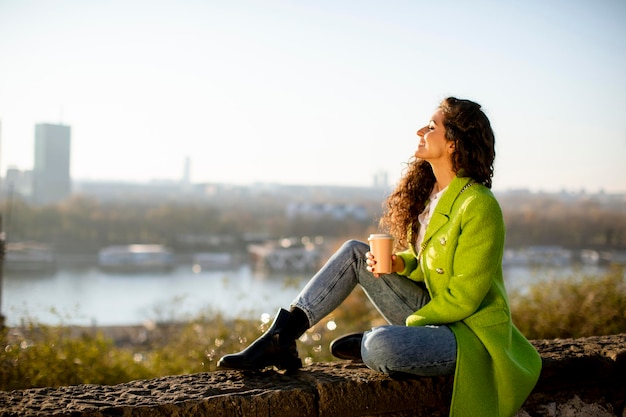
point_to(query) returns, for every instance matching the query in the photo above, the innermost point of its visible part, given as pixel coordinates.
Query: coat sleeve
(470, 267)
(411, 266)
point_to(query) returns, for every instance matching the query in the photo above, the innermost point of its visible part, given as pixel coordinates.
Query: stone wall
(580, 378)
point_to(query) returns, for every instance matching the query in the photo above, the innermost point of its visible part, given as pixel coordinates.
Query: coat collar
(444, 206)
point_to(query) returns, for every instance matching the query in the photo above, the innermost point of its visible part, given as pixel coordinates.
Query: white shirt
(424, 217)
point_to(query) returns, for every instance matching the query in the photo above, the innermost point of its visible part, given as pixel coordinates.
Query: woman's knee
(377, 348)
(415, 350)
(355, 246)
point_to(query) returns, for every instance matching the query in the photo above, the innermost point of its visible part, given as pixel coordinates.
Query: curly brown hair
(474, 154)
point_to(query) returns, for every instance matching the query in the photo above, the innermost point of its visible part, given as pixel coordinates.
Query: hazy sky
(314, 92)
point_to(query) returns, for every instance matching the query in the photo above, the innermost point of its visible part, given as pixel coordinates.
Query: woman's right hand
(397, 264)
(370, 260)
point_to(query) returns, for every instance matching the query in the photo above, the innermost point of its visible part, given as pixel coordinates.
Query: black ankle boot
(275, 347)
(347, 346)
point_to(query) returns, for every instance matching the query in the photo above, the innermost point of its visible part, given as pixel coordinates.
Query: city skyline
(329, 93)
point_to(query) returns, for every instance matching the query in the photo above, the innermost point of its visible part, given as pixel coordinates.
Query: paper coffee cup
(381, 246)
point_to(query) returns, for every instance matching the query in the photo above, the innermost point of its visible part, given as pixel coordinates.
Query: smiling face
(433, 145)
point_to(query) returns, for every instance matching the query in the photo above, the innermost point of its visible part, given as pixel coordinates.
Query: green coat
(461, 265)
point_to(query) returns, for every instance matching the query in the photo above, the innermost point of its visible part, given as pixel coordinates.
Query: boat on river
(286, 255)
(29, 257)
(137, 257)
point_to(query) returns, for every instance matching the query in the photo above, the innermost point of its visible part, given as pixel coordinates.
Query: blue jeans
(392, 349)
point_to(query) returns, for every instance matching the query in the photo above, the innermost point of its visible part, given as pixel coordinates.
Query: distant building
(186, 180)
(187, 172)
(381, 180)
(51, 173)
(18, 183)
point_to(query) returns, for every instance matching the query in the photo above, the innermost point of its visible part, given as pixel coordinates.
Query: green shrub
(43, 356)
(574, 307)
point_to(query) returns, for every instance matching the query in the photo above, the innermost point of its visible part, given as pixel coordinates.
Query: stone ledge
(581, 377)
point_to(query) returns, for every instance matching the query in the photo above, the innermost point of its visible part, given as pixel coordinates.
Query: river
(90, 296)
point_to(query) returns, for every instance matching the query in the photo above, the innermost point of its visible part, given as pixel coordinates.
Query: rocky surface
(581, 378)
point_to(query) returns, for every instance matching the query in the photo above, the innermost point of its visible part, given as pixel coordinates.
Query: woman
(445, 299)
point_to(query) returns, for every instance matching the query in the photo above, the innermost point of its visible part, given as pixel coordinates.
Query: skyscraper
(51, 173)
